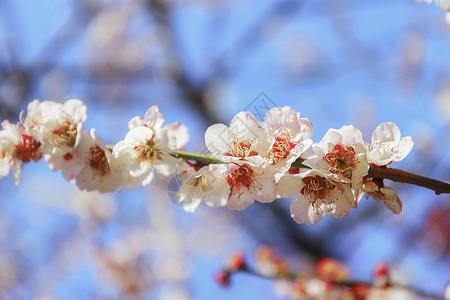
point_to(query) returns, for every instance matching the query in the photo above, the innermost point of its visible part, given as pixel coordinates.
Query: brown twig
(439, 187)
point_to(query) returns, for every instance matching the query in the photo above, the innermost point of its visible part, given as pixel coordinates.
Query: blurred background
(202, 61)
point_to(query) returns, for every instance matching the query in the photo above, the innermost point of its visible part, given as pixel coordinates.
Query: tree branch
(341, 283)
(440, 187)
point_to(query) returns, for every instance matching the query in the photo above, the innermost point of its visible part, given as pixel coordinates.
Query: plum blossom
(247, 183)
(154, 119)
(378, 191)
(318, 195)
(244, 140)
(68, 165)
(242, 145)
(16, 149)
(143, 152)
(96, 172)
(386, 146)
(200, 182)
(57, 126)
(341, 153)
(292, 136)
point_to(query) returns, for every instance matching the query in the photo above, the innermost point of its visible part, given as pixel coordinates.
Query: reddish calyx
(27, 150)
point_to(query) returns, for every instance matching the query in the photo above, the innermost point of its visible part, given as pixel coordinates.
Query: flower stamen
(97, 160)
(242, 148)
(318, 188)
(282, 146)
(65, 135)
(149, 152)
(341, 160)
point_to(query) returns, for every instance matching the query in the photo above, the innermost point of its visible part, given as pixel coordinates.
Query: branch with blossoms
(330, 279)
(249, 160)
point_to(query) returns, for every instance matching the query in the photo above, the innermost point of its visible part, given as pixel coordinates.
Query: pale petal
(240, 201)
(136, 122)
(245, 124)
(218, 139)
(387, 132)
(351, 135)
(332, 137)
(139, 136)
(181, 134)
(391, 200)
(303, 212)
(343, 201)
(404, 147)
(289, 185)
(153, 118)
(76, 109)
(264, 190)
(277, 117)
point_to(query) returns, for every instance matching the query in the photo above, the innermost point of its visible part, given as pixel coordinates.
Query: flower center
(242, 148)
(149, 152)
(317, 188)
(97, 161)
(27, 150)
(341, 160)
(65, 135)
(281, 147)
(199, 186)
(241, 177)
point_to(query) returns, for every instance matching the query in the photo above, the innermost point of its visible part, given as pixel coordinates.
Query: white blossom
(318, 195)
(57, 126)
(244, 140)
(154, 119)
(96, 173)
(16, 149)
(143, 152)
(388, 195)
(201, 184)
(292, 137)
(342, 154)
(243, 145)
(387, 146)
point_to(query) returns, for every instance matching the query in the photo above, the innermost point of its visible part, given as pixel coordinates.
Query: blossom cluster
(328, 279)
(252, 160)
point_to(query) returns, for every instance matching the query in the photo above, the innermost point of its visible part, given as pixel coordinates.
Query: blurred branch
(440, 187)
(341, 283)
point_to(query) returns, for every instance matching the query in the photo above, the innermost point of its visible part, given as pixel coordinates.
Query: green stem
(206, 159)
